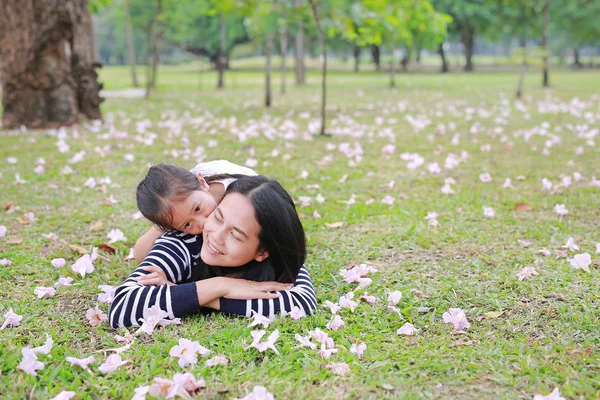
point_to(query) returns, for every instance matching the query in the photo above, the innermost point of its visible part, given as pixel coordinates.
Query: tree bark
(153, 58)
(356, 51)
(406, 59)
(545, 72)
(324, 66)
(221, 57)
(443, 56)
(47, 63)
(268, 54)
(468, 36)
(375, 54)
(130, 48)
(577, 62)
(392, 72)
(283, 50)
(523, 68)
(299, 48)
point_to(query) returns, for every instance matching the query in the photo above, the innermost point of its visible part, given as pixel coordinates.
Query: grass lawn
(543, 331)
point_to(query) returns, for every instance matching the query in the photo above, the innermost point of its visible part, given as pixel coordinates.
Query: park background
(392, 159)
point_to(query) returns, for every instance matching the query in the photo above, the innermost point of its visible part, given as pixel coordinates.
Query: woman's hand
(242, 289)
(156, 277)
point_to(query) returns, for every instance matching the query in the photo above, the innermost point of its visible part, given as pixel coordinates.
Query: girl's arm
(145, 243)
(301, 295)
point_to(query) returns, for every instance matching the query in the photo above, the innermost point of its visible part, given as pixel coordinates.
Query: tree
(130, 48)
(323, 39)
(469, 18)
(47, 63)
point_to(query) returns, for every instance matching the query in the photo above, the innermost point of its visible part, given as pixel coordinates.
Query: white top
(217, 167)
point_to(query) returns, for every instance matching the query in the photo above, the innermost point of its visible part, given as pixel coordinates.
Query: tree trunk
(443, 56)
(577, 62)
(406, 59)
(283, 50)
(523, 68)
(299, 48)
(546, 11)
(268, 53)
(153, 57)
(221, 57)
(392, 72)
(356, 51)
(468, 35)
(47, 63)
(375, 54)
(130, 48)
(324, 67)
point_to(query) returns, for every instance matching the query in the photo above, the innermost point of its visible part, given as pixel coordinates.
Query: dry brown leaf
(15, 240)
(334, 225)
(418, 293)
(78, 249)
(523, 207)
(107, 248)
(96, 226)
(460, 342)
(494, 314)
(24, 220)
(8, 206)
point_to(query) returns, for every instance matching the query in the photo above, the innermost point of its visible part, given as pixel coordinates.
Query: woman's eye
(235, 237)
(198, 209)
(187, 225)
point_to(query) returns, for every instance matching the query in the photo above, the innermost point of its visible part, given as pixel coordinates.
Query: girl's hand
(242, 289)
(156, 277)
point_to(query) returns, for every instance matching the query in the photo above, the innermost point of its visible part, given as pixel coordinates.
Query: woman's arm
(145, 243)
(301, 295)
(172, 253)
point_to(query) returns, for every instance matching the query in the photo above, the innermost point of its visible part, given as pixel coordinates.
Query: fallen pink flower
(112, 363)
(5, 262)
(327, 352)
(64, 395)
(124, 339)
(45, 349)
(407, 329)
(335, 323)
(115, 235)
(11, 319)
(358, 349)
(560, 253)
(216, 360)
(347, 302)
(571, 245)
(268, 344)
(95, 316)
(152, 316)
(581, 261)
(58, 262)
(544, 252)
(394, 297)
(140, 393)
(319, 335)
(2, 231)
(83, 265)
(82, 362)
(305, 341)
(555, 395)
(258, 393)
(340, 369)
(259, 319)
(164, 388)
(526, 273)
(187, 351)
(44, 292)
(297, 313)
(108, 295)
(368, 298)
(333, 307)
(64, 281)
(188, 382)
(457, 317)
(30, 363)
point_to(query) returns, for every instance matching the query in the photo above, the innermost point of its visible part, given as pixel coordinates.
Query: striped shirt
(177, 254)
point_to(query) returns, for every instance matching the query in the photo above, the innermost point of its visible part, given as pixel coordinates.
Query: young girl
(252, 244)
(173, 198)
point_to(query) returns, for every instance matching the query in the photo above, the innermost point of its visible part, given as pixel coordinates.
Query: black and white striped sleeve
(173, 253)
(301, 295)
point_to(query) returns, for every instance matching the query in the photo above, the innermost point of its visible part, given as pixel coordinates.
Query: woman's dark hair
(164, 184)
(281, 232)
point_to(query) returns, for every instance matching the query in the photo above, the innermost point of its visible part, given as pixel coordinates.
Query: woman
(252, 245)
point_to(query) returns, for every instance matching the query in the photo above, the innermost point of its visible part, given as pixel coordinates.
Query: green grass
(468, 261)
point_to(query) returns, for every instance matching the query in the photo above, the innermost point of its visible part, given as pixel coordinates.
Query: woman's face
(231, 234)
(190, 214)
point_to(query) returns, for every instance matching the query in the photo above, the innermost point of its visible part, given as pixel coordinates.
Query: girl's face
(190, 214)
(231, 234)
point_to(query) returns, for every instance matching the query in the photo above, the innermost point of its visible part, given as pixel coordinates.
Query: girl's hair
(281, 232)
(163, 185)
